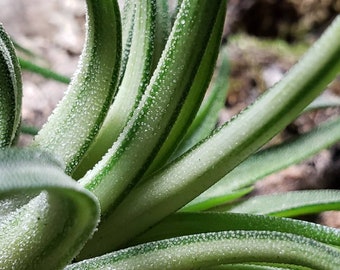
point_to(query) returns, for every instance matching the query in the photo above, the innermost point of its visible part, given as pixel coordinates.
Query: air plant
(129, 171)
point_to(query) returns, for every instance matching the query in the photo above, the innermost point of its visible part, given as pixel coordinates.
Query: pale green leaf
(180, 224)
(79, 115)
(291, 203)
(113, 175)
(192, 99)
(186, 177)
(266, 162)
(133, 84)
(324, 101)
(45, 216)
(207, 117)
(209, 249)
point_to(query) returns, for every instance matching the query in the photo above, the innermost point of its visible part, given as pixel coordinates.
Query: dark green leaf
(10, 91)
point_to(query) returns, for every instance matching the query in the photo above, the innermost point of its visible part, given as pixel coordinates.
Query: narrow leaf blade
(79, 115)
(112, 177)
(207, 117)
(193, 98)
(209, 249)
(188, 223)
(266, 162)
(10, 90)
(133, 84)
(290, 204)
(186, 177)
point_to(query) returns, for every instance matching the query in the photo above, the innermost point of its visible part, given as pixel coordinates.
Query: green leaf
(136, 77)
(259, 266)
(266, 162)
(23, 50)
(27, 63)
(162, 29)
(290, 204)
(45, 216)
(150, 122)
(191, 101)
(80, 114)
(324, 101)
(10, 90)
(179, 182)
(45, 72)
(155, 113)
(207, 116)
(209, 249)
(30, 130)
(180, 224)
(216, 196)
(128, 22)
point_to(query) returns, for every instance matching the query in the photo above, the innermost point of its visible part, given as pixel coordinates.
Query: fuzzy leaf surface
(186, 177)
(45, 216)
(76, 120)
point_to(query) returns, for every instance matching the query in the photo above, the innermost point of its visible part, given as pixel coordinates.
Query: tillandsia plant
(129, 171)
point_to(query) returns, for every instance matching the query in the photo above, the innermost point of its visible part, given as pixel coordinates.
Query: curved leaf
(143, 134)
(145, 130)
(162, 29)
(208, 249)
(207, 116)
(45, 216)
(180, 224)
(266, 162)
(133, 84)
(179, 182)
(128, 22)
(290, 204)
(10, 90)
(81, 112)
(191, 102)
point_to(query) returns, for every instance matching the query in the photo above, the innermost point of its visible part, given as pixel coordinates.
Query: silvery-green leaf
(207, 116)
(227, 247)
(173, 186)
(133, 83)
(145, 131)
(180, 224)
(45, 216)
(76, 120)
(266, 162)
(289, 204)
(191, 101)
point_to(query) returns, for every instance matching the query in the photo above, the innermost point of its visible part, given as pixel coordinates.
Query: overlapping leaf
(45, 217)
(136, 76)
(158, 109)
(266, 162)
(230, 247)
(186, 177)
